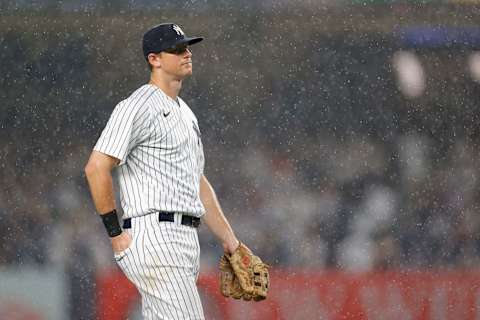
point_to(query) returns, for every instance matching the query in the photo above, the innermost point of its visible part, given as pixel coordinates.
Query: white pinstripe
(163, 263)
(161, 158)
(158, 143)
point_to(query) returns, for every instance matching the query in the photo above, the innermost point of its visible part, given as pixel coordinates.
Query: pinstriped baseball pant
(163, 262)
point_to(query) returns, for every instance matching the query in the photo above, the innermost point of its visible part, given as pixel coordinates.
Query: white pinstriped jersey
(158, 143)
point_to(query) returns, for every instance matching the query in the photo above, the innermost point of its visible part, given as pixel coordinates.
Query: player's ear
(154, 59)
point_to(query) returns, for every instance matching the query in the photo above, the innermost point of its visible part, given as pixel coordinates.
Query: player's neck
(171, 87)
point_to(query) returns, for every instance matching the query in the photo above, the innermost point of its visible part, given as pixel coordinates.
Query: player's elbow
(90, 169)
(93, 167)
(99, 164)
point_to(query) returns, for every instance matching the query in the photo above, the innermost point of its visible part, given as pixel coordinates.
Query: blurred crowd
(361, 215)
(317, 159)
(348, 209)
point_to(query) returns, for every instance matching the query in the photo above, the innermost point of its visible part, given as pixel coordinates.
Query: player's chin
(188, 70)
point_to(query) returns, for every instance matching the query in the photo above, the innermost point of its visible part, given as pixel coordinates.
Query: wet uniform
(157, 141)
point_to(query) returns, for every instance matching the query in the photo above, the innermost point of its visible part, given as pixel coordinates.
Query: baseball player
(153, 143)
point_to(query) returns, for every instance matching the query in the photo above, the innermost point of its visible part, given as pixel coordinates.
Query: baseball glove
(244, 276)
(229, 285)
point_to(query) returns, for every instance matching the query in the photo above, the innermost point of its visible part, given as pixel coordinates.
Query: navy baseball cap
(165, 36)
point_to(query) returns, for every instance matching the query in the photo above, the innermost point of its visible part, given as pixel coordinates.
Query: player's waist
(164, 216)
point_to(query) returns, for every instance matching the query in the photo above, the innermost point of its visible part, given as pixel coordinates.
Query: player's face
(178, 61)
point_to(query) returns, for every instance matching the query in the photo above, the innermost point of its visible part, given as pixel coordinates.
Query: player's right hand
(121, 242)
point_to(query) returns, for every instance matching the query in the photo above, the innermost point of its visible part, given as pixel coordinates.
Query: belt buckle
(166, 216)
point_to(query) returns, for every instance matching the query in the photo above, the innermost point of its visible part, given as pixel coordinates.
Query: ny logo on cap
(178, 30)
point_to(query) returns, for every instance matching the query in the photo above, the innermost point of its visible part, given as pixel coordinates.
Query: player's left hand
(244, 275)
(229, 285)
(230, 246)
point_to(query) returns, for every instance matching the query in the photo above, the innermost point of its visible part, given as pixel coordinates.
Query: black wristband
(110, 220)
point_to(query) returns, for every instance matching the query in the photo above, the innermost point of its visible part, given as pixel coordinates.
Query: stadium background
(341, 137)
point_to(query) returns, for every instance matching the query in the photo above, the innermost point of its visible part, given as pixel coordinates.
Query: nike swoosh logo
(165, 114)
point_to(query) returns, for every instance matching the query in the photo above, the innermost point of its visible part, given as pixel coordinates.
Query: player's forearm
(101, 187)
(214, 217)
(99, 177)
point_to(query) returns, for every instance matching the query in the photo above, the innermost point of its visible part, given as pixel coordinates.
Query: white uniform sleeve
(124, 130)
(196, 128)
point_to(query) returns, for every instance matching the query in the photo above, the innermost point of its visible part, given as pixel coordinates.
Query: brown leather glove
(229, 285)
(251, 272)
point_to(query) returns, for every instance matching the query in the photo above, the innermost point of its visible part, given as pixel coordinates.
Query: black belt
(168, 216)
